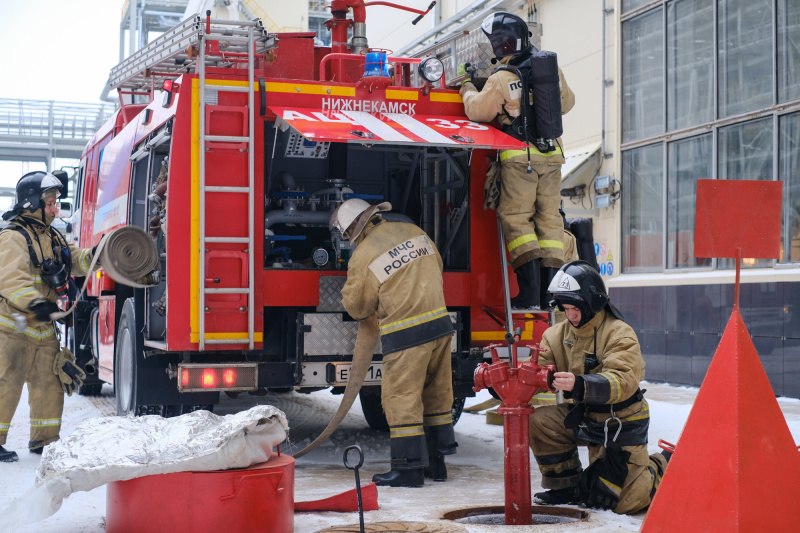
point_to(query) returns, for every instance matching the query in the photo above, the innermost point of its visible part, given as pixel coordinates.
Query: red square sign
(734, 214)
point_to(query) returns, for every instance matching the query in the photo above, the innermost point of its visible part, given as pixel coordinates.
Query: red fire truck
(232, 147)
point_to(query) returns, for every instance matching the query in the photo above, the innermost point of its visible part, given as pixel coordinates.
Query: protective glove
(42, 309)
(70, 374)
(601, 483)
(464, 70)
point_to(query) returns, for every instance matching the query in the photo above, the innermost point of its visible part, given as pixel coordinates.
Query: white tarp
(102, 450)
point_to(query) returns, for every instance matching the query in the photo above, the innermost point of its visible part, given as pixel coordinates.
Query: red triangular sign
(736, 467)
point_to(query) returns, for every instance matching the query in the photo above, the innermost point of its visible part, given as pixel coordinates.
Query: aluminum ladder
(209, 45)
(175, 52)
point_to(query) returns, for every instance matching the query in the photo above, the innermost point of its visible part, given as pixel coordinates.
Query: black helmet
(578, 283)
(508, 33)
(31, 189)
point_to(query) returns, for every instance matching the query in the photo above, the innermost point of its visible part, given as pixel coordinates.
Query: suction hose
(366, 340)
(129, 256)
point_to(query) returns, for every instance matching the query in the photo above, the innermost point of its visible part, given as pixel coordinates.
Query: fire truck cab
(232, 147)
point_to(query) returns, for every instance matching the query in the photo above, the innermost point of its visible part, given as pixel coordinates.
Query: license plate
(342, 372)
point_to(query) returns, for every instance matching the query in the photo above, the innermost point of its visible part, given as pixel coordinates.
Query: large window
(744, 44)
(643, 77)
(745, 151)
(789, 173)
(700, 84)
(788, 50)
(690, 63)
(643, 209)
(630, 5)
(688, 161)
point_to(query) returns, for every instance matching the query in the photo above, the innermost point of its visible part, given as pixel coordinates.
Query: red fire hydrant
(515, 386)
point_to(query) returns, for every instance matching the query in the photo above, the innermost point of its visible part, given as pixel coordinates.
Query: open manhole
(397, 527)
(496, 515)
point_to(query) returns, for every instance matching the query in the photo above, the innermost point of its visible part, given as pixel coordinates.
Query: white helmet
(345, 217)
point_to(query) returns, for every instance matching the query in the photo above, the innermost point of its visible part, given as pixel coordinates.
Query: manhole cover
(495, 515)
(397, 527)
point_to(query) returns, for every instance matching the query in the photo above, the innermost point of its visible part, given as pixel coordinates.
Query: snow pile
(102, 450)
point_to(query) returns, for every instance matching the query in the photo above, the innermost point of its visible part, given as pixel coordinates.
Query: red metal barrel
(260, 498)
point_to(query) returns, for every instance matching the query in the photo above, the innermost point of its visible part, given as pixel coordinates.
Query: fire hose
(366, 340)
(129, 256)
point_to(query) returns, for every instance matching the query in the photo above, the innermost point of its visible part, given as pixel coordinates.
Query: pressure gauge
(320, 256)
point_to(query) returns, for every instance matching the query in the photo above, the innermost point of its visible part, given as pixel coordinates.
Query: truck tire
(370, 398)
(373, 411)
(126, 354)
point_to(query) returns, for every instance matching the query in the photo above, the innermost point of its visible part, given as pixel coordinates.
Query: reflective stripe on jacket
(488, 104)
(21, 282)
(616, 377)
(396, 271)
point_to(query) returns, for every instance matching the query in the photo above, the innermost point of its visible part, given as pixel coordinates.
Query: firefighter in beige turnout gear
(530, 188)
(33, 263)
(396, 272)
(598, 366)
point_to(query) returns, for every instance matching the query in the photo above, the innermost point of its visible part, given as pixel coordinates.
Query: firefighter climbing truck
(232, 147)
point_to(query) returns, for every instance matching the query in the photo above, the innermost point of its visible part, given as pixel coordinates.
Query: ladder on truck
(191, 47)
(175, 52)
(511, 311)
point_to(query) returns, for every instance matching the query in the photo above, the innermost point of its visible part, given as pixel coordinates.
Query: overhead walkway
(37, 130)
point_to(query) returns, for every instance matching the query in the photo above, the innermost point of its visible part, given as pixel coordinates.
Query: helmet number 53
(446, 124)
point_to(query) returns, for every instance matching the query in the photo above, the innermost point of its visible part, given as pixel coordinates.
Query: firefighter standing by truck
(35, 264)
(599, 366)
(530, 179)
(396, 272)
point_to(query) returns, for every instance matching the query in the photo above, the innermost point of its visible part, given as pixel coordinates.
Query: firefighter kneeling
(599, 366)
(396, 272)
(36, 264)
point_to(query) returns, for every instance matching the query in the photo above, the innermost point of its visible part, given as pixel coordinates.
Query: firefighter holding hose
(599, 366)
(527, 95)
(396, 272)
(35, 264)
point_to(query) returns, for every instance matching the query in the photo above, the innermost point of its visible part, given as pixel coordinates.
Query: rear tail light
(195, 377)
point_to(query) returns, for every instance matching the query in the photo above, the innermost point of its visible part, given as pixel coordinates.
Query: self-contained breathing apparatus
(539, 122)
(55, 273)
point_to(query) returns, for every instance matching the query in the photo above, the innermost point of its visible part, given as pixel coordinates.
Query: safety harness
(55, 272)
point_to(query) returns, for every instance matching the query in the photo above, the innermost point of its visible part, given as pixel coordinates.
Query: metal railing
(41, 121)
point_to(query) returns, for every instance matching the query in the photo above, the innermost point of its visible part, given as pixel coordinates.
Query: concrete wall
(574, 30)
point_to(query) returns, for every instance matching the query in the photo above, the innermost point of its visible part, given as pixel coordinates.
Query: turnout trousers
(555, 449)
(25, 361)
(528, 211)
(417, 391)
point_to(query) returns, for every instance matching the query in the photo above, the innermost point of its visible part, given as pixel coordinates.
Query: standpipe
(515, 387)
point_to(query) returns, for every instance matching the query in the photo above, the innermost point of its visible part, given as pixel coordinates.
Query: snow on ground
(475, 472)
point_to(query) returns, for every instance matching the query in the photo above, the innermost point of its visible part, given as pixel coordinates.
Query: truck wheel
(93, 389)
(373, 411)
(458, 408)
(370, 398)
(125, 355)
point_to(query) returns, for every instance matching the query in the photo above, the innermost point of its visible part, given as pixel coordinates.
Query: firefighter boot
(528, 279)
(409, 456)
(440, 441)
(566, 496)
(7, 456)
(548, 273)
(36, 446)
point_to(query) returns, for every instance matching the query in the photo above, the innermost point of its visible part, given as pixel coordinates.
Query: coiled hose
(129, 256)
